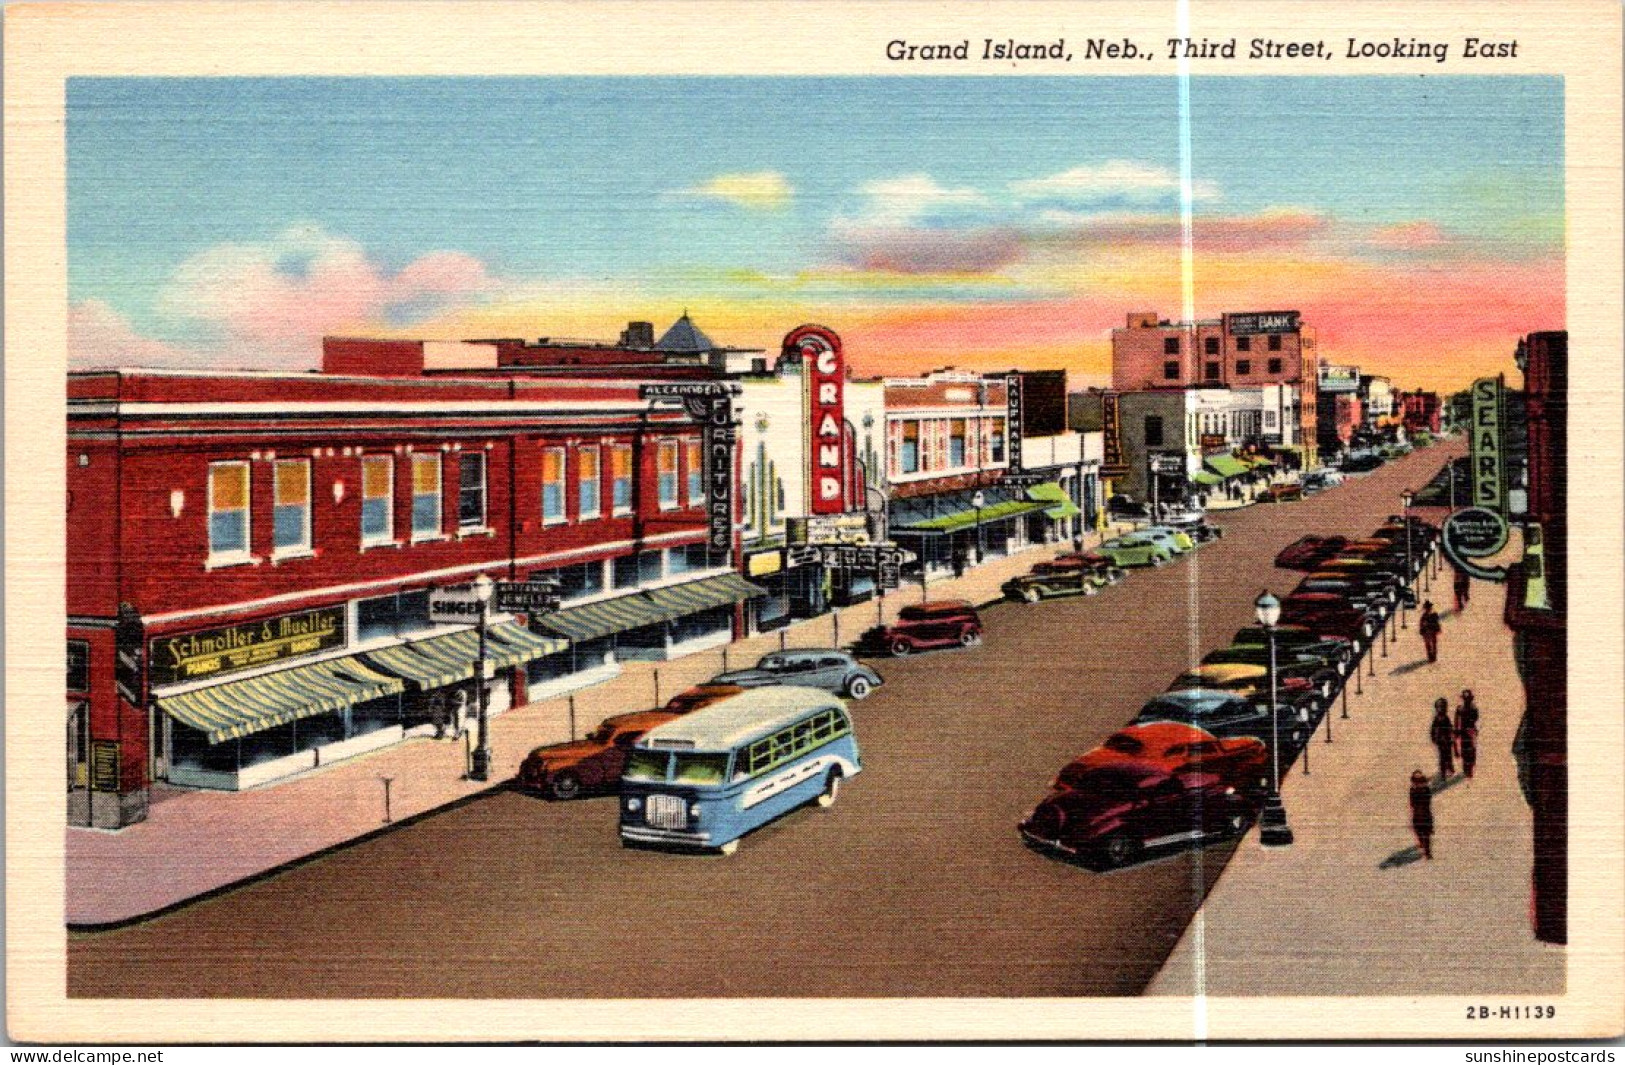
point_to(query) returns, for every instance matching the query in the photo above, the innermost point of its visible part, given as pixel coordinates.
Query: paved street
(914, 884)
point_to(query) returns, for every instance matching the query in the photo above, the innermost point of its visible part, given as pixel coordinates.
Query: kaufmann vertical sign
(1489, 460)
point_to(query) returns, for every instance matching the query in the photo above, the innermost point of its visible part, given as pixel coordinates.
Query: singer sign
(824, 371)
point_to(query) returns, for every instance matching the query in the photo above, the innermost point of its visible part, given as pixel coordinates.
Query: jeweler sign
(527, 597)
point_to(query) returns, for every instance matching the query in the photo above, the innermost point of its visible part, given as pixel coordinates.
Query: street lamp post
(1405, 498)
(480, 769)
(1273, 830)
(979, 500)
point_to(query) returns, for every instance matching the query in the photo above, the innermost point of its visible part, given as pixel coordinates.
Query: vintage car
(944, 623)
(1362, 460)
(1319, 480)
(699, 697)
(1115, 813)
(1310, 551)
(1245, 679)
(1285, 492)
(1369, 596)
(1192, 521)
(1296, 638)
(1069, 575)
(1136, 549)
(1289, 662)
(1099, 565)
(1177, 541)
(1173, 747)
(1328, 615)
(1361, 565)
(593, 764)
(1224, 714)
(824, 668)
(1123, 508)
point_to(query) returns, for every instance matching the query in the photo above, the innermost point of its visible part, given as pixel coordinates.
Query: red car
(1326, 615)
(569, 770)
(946, 623)
(1174, 748)
(1309, 552)
(1115, 813)
(699, 696)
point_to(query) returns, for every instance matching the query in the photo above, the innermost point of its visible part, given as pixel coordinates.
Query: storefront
(655, 624)
(949, 532)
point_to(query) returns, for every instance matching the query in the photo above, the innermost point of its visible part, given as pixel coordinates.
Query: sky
(984, 223)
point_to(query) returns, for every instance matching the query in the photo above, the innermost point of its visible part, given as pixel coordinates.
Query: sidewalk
(1350, 908)
(197, 842)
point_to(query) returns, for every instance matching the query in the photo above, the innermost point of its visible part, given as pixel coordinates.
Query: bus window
(646, 765)
(700, 768)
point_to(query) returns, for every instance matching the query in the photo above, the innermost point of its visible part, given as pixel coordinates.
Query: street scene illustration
(642, 538)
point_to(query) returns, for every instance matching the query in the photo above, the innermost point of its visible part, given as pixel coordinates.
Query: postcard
(799, 522)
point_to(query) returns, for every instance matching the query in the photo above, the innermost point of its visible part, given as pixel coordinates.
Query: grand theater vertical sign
(823, 370)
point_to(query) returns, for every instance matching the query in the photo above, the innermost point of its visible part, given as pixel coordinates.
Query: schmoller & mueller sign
(230, 648)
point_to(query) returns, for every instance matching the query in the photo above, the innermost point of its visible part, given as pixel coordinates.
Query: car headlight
(694, 810)
(633, 805)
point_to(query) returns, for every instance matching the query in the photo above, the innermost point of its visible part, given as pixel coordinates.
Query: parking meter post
(572, 702)
(1346, 699)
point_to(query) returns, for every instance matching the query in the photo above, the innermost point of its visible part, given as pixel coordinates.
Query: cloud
(279, 297)
(762, 190)
(913, 199)
(1409, 236)
(100, 337)
(1116, 179)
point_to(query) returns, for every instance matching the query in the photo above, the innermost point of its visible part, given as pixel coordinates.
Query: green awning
(238, 708)
(966, 519)
(649, 608)
(1227, 466)
(1205, 478)
(448, 659)
(1259, 461)
(1060, 504)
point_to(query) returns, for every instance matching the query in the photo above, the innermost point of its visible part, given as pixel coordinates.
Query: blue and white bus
(709, 778)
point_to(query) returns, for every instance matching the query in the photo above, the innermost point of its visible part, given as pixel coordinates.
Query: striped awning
(651, 607)
(448, 659)
(1060, 504)
(238, 708)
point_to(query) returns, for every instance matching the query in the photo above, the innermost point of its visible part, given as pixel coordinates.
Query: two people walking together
(1452, 739)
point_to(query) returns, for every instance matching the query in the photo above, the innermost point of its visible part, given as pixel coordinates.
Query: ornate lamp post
(979, 500)
(1273, 829)
(481, 767)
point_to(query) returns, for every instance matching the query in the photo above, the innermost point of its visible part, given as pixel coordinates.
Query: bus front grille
(668, 811)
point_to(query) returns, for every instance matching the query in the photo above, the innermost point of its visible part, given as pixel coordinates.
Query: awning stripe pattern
(1206, 478)
(238, 708)
(1060, 504)
(966, 519)
(650, 607)
(448, 659)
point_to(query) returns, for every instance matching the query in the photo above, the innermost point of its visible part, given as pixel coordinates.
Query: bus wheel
(832, 789)
(728, 847)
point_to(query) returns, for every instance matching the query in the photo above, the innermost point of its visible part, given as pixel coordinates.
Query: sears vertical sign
(823, 372)
(1489, 460)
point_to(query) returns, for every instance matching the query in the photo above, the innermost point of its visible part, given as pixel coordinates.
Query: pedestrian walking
(1422, 813)
(959, 562)
(1429, 627)
(1467, 732)
(1463, 586)
(1442, 732)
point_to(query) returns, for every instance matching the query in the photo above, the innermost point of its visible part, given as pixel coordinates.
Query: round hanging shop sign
(1475, 532)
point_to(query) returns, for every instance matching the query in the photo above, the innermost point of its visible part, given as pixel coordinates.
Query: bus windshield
(700, 768)
(646, 765)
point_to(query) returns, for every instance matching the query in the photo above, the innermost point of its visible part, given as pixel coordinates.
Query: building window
(290, 512)
(552, 485)
(401, 614)
(78, 666)
(471, 491)
(228, 511)
(425, 496)
(956, 443)
(690, 559)
(1275, 341)
(694, 456)
(575, 582)
(911, 447)
(995, 447)
(1275, 366)
(666, 459)
(1153, 430)
(1170, 371)
(589, 483)
(651, 566)
(620, 470)
(1244, 343)
(1170, 345)
(1211, 345)
(625, 573)
(1210, 371)
(1244, 366)
(377, 499)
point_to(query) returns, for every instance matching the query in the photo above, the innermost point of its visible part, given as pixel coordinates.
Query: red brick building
(1420, 411)
(250, 556)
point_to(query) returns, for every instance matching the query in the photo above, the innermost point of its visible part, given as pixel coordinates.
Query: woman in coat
(1443, 735)
(1422, 813)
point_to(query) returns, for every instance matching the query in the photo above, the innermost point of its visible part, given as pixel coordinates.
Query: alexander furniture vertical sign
(1489, 460)
(823, 369)
(710, 403)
